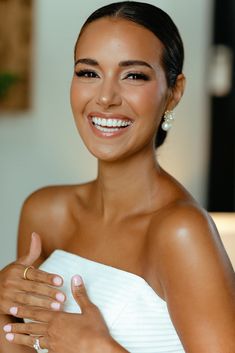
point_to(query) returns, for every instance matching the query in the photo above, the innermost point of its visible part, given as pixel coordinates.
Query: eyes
(90, 74)
(138, 76)
(86, 74)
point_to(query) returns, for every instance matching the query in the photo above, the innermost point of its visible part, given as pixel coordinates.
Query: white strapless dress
(136, 316)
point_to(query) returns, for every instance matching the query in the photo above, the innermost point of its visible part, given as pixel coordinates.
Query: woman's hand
(62, 332)
(34, 288)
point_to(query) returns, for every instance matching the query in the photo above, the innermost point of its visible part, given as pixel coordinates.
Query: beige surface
(225, 223)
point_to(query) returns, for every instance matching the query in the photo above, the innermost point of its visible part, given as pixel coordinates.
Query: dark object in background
(221, 186)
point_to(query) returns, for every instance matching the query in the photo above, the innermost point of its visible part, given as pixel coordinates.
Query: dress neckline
(97, 263)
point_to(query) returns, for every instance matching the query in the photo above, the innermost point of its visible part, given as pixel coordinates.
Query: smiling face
(119, 90)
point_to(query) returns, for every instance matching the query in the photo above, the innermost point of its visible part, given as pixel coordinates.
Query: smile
(107, 126)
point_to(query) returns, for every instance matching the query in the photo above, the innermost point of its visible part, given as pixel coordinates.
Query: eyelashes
(137, 76)
(89, 74)
(86, 74)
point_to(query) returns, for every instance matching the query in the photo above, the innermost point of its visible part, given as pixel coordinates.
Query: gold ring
(26, 270)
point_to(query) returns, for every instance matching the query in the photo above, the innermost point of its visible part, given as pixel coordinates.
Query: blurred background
(39, 144)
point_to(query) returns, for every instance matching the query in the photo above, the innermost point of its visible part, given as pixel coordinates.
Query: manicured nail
(13, 310)
(57, 281)
(7, 328)
(10, 336)
(60, 297)
(77, 280)
(55, 306)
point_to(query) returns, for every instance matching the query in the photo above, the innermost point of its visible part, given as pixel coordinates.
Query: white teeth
(105, 129)
(110, 122)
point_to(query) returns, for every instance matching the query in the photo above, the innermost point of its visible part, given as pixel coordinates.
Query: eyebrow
(125, 63)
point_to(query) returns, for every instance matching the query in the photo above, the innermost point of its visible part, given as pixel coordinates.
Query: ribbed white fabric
(136, 316)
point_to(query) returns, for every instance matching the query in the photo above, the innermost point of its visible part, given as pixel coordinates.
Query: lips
(109, 125)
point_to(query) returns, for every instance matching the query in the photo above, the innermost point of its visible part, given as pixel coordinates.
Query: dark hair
(159, 23)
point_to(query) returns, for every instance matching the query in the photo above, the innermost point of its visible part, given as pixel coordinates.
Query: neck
(128, 186)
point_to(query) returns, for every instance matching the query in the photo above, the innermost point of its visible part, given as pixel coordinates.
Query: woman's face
(119, 90)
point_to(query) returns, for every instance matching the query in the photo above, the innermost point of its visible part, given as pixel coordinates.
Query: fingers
(34, 251)
(32, 294)
(16, 271)
(27, 340)
(15, 290)
(32, 328)
(36, 275)
(35, 314)
(24, 334)
(80, 293)
(31, 303)
(39, 289)
(36, 301)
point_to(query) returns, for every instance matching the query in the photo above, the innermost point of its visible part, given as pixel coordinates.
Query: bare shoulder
(49, 212)
(52, 199)
(196, 277)
(184, 225)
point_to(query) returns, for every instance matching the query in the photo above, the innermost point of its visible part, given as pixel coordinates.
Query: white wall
(42, 147)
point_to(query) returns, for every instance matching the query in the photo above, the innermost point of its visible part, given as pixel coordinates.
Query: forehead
(121, 38)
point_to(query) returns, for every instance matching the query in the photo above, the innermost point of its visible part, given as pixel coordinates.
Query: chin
(106, 153)
(106, 156)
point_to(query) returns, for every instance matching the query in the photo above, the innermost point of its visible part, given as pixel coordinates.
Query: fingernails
(57, 281)
(77, 280)
(7, 328)
(60, 297)
(55, 306)
(13, 310)
(10, 336)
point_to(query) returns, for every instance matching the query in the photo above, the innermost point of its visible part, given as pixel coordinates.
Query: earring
(168, 117)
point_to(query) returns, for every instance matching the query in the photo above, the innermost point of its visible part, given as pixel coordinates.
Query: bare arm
(198, 282)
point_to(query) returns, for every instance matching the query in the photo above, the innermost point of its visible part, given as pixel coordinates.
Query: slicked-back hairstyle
(160, 24)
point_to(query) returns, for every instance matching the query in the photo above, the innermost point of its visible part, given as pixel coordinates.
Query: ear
(176, 92)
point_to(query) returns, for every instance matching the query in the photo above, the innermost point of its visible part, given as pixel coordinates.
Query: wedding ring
(37, 344)
(26, 270)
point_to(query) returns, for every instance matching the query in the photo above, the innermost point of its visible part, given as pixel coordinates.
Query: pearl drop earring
(169, 117)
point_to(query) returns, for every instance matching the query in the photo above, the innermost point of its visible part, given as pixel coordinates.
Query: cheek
(147, 101)
(80, 95)
(73, 95)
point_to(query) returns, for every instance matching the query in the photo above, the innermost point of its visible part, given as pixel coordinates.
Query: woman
(150, 257)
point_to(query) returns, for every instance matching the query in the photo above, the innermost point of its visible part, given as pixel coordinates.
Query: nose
(109, 94)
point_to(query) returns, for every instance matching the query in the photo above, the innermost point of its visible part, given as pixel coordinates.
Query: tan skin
(147, 222)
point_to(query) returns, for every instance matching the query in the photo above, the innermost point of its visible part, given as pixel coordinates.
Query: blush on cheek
(149, 102)
(81, 95)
